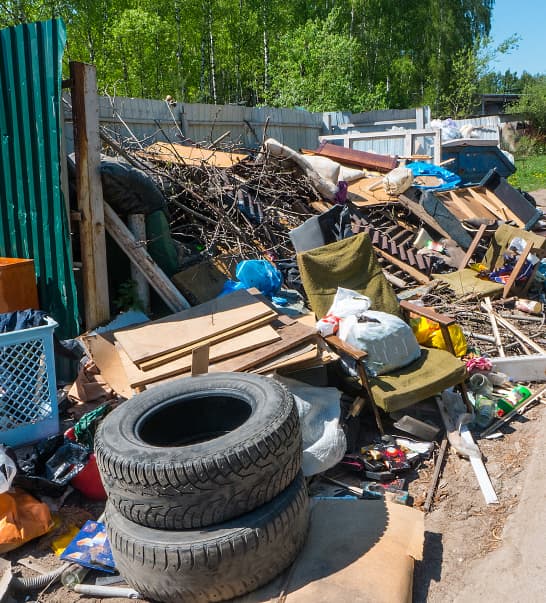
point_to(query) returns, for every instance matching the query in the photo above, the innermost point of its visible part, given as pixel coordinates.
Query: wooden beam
(471, 250)
(85, 112)
(137, 225)
(413, 272)
(144, 262)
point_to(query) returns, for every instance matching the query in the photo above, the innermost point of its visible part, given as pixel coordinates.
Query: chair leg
(378, 418)
(464, 393)
(364, 379)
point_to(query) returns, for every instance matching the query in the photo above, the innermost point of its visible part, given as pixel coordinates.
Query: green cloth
(350, 263)
(502, 238)
(466, 281)
(433, 372)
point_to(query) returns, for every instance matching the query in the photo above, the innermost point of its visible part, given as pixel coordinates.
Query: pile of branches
(245, 211)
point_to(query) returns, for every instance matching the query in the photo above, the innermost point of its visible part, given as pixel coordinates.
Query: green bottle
(517, 396)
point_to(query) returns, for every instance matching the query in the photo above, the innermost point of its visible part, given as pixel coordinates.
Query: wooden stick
(137, 225)
(517, 411)
(521, 336)
(492, 319)
(143, 261)
(436, 474)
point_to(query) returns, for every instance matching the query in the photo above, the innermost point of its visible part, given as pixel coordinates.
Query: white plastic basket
(28, 392)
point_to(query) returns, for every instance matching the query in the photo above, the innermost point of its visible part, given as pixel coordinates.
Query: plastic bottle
(74, 574)
(485, 409)
(529, 305)
(517, 396)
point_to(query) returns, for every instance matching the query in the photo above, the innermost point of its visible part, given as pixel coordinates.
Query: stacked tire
(206, 499)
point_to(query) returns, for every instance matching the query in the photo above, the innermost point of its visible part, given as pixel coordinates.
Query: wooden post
(85, 112)
(143, 261)
(137, 225)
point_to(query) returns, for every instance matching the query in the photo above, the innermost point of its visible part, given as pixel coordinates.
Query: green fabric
(160, 243)
(501, 239)
(433, 372)
(350, 263)
(466, 281)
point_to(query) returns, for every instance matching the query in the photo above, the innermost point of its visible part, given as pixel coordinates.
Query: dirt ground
(461, 527)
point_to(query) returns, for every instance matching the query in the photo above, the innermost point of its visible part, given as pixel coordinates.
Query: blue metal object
(28, 391)
(33, 214)
(473, 162)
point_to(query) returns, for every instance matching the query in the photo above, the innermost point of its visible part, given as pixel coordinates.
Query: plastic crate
(28, 391)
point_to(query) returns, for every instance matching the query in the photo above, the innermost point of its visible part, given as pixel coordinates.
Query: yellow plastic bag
(22, 518)
(429, 334)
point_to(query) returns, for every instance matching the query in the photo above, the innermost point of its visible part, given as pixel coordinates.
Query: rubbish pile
(340, 318)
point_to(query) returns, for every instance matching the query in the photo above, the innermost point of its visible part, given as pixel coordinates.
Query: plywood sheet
(187, 155)
(191, 326)
(148, 365)
(292, 335)
(240, 344)
(360, 194)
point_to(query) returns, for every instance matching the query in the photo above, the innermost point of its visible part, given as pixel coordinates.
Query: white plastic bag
(388, 340)
(324, 442)
(7, 471)
(346, 303)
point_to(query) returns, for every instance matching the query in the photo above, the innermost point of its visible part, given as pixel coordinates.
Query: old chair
(352, 263)
(466, 282)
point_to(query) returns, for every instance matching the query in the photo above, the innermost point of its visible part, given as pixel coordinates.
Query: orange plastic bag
(22, 518)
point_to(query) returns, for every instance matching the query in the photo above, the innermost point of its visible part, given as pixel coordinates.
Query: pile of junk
(298, 340)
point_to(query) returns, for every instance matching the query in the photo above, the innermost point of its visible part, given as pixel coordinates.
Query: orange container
(18, 289)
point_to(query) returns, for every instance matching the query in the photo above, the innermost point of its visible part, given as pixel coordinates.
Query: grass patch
(530, 173)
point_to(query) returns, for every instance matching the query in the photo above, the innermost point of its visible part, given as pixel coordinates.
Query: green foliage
(127, 297)
(347, 54)
(530, 174)
(532, 104)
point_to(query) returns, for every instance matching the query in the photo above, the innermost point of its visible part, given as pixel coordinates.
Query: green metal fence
(33, 217)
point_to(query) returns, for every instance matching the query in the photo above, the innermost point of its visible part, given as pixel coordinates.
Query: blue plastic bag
(260, 274)
(420, 168)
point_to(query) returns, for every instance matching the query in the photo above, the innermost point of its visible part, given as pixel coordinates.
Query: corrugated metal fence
(33, 217)
(147, 121)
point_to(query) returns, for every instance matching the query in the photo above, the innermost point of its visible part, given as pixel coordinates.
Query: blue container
(28, 390)
(473, 162)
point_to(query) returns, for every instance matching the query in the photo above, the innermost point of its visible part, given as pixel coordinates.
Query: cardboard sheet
(357, 551)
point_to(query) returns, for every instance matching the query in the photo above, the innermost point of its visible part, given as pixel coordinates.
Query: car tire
(216, 564)
(200, 451)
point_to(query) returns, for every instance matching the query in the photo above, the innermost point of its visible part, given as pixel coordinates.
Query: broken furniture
(466, 281)
(351, 263)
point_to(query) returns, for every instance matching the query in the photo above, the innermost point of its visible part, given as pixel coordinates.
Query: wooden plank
(184, 330)
(85, 111)
(240, 344)
(137, 225)
(292, 335)
(200, 360)
(420, 212)
(158, 361)
(189, 155)
(496, 208)
(104, 354)
(471, 250)
(143, 261)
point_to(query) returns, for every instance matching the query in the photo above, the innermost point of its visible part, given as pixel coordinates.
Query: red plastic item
(88, 480)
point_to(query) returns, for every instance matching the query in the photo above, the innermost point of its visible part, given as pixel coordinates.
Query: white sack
(389, 342)
(324, 443)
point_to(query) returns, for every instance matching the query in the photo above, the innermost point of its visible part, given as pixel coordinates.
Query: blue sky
(528, 19)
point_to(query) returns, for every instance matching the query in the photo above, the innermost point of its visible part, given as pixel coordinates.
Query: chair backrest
(349, 263)
(501, 240)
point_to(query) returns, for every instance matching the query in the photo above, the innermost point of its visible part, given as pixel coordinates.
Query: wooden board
(191, 326)
(108, 361)
(187, 155)
(360, 194)
(240, 344)
(148, 365)
(292, 335)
